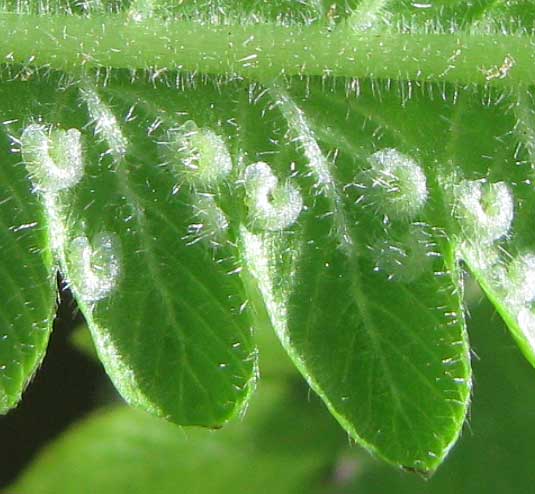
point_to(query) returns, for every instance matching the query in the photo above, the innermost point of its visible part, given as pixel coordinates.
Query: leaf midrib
(265, 50)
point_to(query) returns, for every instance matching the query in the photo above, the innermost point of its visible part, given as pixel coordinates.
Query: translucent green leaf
(364, 291)
(382, 144)
(145, 249)
(489, 457)
(492, 202)
(28, 288)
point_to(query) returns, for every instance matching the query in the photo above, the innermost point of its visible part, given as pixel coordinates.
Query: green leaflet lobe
(493, 207)
(146, 255)
(350, 208)
(28, 283)
(364, 289)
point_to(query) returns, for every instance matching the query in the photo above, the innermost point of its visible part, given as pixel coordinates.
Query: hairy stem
(264, 51)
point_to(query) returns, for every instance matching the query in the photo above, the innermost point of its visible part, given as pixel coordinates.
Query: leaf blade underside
(163, 305)
(369, 308)
(185, 209)
(28, 289)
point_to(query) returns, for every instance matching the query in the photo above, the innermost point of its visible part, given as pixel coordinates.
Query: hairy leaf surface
(326, 168)
(365, 294)
(28, 288)
(159, 295)
(489, 456)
